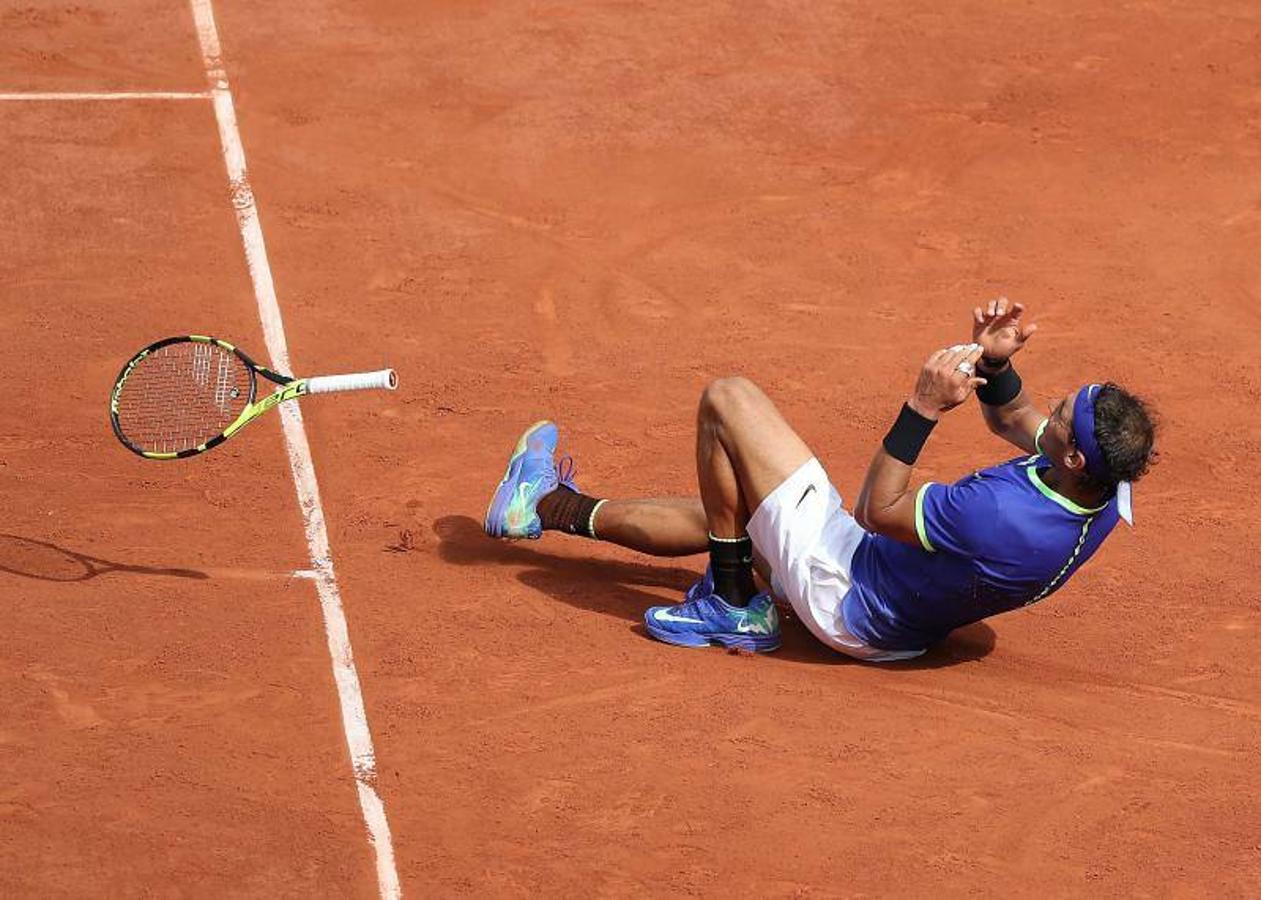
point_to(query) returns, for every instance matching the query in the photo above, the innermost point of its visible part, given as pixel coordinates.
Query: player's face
(1057, 439)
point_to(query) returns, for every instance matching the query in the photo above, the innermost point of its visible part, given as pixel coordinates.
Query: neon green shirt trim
(919, 518)
(1058, 498)
(1037, 438)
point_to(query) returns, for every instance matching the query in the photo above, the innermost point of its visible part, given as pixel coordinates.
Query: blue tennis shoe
(532, 474)
(704, 619)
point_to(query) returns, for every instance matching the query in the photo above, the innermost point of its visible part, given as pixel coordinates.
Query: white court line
(106, 95)
(354, 716)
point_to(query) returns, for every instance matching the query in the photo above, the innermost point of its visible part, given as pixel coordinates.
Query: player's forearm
(888, 483)
(1004, 420)
(1007, 409)
(886, 496)
(886, 504)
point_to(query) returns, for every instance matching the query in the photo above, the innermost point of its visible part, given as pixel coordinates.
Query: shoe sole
(751, 643)
(497, 509)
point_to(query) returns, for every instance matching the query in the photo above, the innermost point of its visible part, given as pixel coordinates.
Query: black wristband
(907, 436)
(1000, 388)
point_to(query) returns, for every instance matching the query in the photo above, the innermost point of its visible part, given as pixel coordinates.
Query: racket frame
(289, 389)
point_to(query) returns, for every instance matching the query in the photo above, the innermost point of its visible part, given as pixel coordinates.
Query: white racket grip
(385, 380)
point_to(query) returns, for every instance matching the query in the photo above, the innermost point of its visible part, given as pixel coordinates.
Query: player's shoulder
(1003, 491)
(1002, 476)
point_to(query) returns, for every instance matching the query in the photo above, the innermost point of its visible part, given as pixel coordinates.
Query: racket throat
(290, 391)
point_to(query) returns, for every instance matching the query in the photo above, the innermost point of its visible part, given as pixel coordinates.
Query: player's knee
(725, 396)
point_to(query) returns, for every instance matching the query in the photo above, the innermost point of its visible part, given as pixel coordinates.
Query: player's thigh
(763, 448)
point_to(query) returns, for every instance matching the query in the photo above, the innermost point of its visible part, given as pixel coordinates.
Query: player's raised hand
(1000, 330)
(946, 380)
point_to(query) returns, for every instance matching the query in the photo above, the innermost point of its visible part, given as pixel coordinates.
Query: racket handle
(385, 380)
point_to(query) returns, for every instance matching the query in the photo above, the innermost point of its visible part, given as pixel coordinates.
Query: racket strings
(182, 395)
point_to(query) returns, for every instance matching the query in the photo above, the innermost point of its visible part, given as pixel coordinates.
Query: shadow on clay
(613, 588)
(44, 561)
(607, 586)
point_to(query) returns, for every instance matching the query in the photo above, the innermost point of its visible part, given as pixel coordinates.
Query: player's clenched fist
(946, 380)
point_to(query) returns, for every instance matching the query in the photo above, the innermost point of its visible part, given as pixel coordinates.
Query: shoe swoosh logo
(524, 488)
(761, 625)
(665, 616)
(804, 496)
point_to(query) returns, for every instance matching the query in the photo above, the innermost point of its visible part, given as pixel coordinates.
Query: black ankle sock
(731, 561)
(567, 510)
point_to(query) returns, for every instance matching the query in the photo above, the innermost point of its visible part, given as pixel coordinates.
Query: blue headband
(1084, 433)
(1084, 437)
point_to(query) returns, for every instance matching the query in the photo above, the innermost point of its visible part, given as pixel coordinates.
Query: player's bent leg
(744, 451)
(763, 448)
(782, 481)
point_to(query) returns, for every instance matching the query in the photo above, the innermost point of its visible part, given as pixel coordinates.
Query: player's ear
(1074, 460)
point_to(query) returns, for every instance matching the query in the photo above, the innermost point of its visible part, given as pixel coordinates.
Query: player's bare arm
(886, 503)
(1001, 331)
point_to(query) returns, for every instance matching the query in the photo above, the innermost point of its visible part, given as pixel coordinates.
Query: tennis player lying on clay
(909, 564)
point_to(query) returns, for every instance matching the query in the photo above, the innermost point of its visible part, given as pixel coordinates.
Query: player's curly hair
(1126, 433)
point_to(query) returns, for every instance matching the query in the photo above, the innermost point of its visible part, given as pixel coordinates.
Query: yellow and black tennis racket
(181, 396)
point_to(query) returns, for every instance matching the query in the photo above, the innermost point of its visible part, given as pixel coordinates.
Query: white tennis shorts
(803, 531)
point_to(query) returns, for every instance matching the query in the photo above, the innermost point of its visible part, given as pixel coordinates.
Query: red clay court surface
(584, 211)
